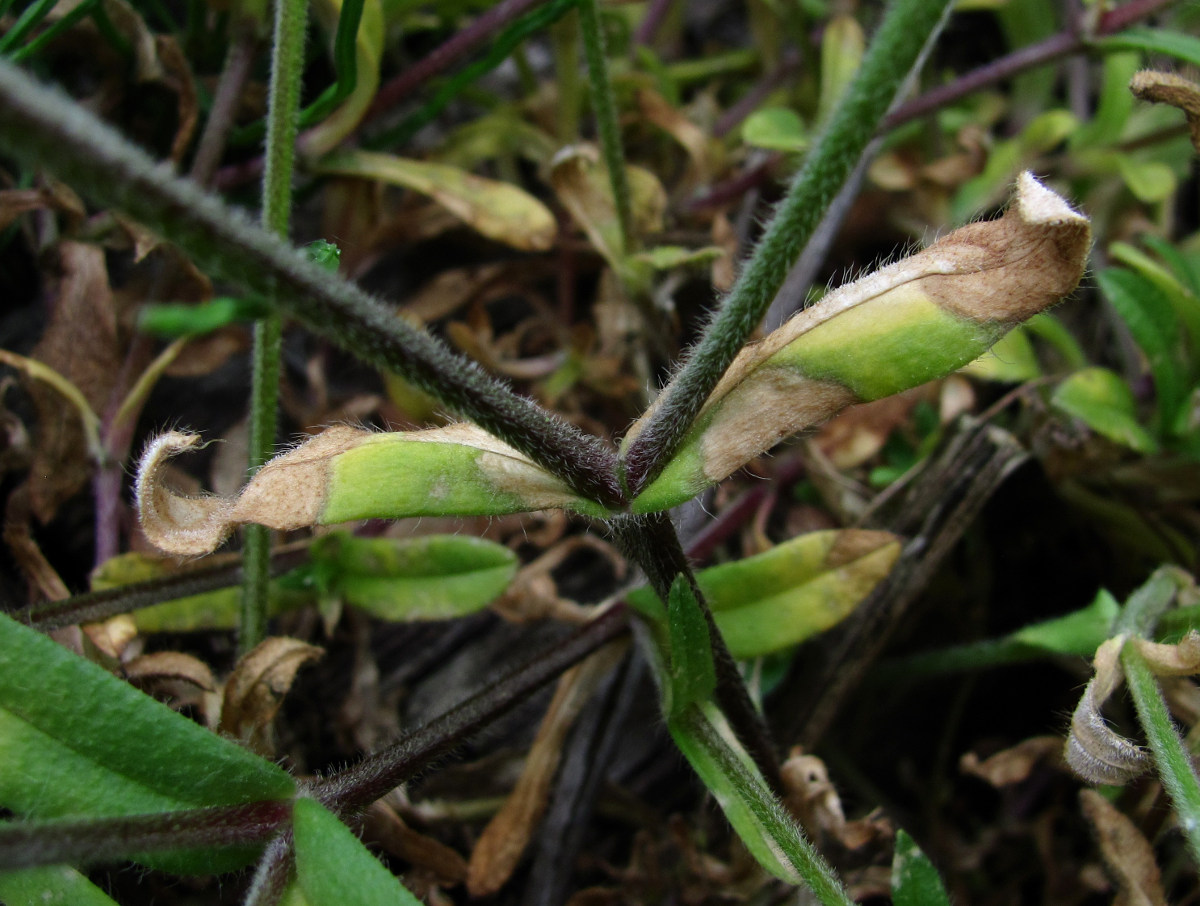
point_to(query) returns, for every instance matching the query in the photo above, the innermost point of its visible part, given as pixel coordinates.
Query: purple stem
(94, 840)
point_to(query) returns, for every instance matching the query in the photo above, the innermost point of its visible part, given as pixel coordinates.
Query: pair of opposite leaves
(910, 322)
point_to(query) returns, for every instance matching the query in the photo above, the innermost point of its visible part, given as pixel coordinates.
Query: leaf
(1115, 103)
(1154, 40)
(1103, 401)
(55, 885)
(693, 676)
(915, 882)
(1168, 88)
(334, 868)
(346, 473)
(1127, 853)
(582, 185)
(775, 129)
(1148, 314)
(434, 577)
(368, 51)
(495, 209)
(910, 322)
(502, 843)
(1011, 360)
(842, 46)
(254, 691)
(777, 599)
(1183, 298)
(87, 744)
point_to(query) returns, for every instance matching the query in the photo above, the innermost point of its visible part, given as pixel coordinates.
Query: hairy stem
(100, 605)
(605, 107)
(906, 30)
(1170, 756)
(283, 111)
(378, 774)
(43, 128)
(25, 844)
(651, 542)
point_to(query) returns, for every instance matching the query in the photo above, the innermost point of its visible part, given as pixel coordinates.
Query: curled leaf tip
(173, 522)
(346, 473)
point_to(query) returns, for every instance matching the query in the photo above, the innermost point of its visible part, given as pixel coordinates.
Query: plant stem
(100, 605)
(691, 729)
(651, 542)
(906, 30)
(43, 128)
(283, 110)
(1171, 758)
(25, 844)
(605, 107)
(234, 73)
(378, 774)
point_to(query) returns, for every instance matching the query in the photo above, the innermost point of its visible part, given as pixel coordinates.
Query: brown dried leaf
(1168, 88)
(1094, 749)
(1180, 659)
(860, 432)
(255, 689)
(1014, 764)
(80, 343)
(384, 827)
(170, 665)
(581, 183)
(43, 580)
(1127, 854)
(503, 841)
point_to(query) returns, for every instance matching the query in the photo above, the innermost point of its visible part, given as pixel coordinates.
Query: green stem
(43, 128)
(907, 28)
(283, 106)
(1170, 756)
(605, 107)
(755, 813)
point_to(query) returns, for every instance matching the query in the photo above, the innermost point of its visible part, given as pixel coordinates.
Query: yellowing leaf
(842, 47)
(496, 209)
(368, 50)
(795, 590)
(582, 185)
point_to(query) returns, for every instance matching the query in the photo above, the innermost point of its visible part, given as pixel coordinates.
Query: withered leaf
(255, 689)
(1126, 852)
(1014, 764)
(1169, 88)
(1094, 749)
(80, 343)
(503, 841)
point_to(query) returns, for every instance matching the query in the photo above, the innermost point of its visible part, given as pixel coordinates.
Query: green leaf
(1148, 314)
(1079, 633)
(1154, 40)
(842, 47)
(1011, 360)
(768, 831)
(435, 577)
(778, 598)
(54, 885)
(334, 868)
(776, 129)
(1048, 328)
(1103, 401)
(693, 676)
(1116, 103)
(76, 741)
(915, 881)
(667, 257)
(1170, 281)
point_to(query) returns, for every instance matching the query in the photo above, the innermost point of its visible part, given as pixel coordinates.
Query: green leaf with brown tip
(797, 589)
